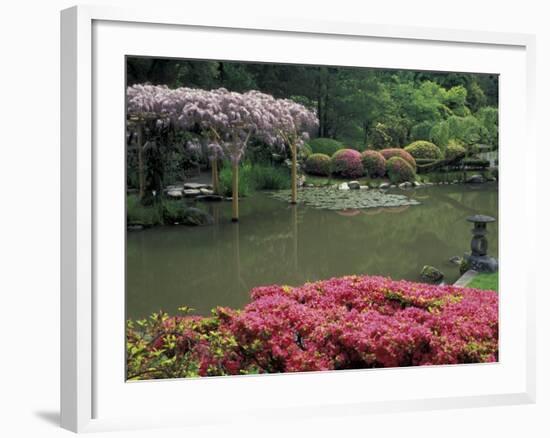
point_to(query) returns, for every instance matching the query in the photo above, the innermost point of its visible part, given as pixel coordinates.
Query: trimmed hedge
(401, 153)
(318, 164)
(326, 146)
(374, 163)
(424, 149)
(399, 170)
(347, 163)
(454, 151)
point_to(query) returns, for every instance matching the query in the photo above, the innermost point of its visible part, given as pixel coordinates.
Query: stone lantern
(478, 260)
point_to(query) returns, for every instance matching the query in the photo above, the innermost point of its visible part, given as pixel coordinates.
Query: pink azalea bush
(347, 164)
(350, 322)
(401, 153)
(374, 163)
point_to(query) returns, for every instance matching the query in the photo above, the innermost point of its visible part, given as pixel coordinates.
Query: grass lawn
(485, 281)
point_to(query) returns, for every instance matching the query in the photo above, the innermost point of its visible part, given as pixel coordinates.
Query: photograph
(285, 218)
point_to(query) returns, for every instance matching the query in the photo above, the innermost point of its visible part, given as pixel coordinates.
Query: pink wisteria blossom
(228, 119)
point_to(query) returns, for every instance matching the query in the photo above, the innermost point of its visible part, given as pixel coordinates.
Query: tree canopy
(360, 106)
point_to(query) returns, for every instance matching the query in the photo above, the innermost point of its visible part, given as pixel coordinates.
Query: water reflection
(279, 243)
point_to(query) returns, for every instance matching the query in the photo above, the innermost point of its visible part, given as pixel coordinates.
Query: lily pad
(329, 198)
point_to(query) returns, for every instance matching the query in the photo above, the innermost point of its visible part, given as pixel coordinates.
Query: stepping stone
(195, 186)
(191, 192)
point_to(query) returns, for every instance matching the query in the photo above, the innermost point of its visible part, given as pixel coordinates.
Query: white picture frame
(86, 380)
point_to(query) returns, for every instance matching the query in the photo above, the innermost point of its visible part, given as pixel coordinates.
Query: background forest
(361, 108)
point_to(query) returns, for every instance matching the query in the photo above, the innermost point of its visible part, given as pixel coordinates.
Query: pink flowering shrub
(347, 164)
(401, 153)
(374, 163)
(343, 323)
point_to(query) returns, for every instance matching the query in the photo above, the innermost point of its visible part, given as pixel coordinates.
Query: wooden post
(141, 170)
(235, 200)
(293, 175)
(295, 237)
(215, 176)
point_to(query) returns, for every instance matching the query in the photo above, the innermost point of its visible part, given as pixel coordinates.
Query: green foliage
(305, 151)
(173, 211)
(391, 132)
(455, 99)
(318, 164)
(401, 153)
(254, 177)
(399, 170)
(270, 177)
(488, 117)
(139, 214)
(439, 134)
(163, 212)
(454, 151)
(245, 180)
(421, 131)
(260, 153)
(374, 163)
(424, 149)
(326, 146)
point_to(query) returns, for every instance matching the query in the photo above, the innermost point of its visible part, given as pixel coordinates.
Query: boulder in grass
(431, 274)
(343, 186)
(354, 185)
(384, 185)
(174, 194)
(456, 260)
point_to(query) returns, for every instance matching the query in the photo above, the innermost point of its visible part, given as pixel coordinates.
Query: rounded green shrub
(455, 151)
(347, 163)
(318, 164)
(305, 151)
(374, 163)
(399, 170)
(326, 146)
(401, 153)
(424, 149)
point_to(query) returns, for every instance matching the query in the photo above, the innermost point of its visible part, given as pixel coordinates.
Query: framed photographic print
(262, 208)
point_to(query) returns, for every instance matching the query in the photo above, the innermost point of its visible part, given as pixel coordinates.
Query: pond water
(274, 242)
